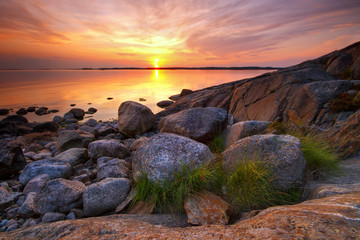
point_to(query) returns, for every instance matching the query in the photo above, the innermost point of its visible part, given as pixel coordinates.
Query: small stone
(12, 227)
(164, 104)
(58, 119)
(52, 217)
(22, 111)
(71, 216)
(31, 109)
(72, 105)
(41, 111)
(110, 98)
(92, 110)
(91, 122)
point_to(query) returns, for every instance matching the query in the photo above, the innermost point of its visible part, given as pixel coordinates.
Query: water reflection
(59, 89)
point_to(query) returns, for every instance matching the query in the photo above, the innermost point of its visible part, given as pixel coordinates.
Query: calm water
(58, 89)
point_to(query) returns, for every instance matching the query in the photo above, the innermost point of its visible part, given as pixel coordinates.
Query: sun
(156, 63)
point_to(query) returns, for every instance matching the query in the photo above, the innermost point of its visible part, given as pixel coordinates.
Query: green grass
(169, 196)
(320, 155)
(217, 145)
(250, 187)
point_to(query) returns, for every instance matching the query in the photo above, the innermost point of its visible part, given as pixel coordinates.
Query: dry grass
(30, 138)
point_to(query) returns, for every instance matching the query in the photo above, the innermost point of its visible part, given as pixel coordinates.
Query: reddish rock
(335, 217)
(206, 208)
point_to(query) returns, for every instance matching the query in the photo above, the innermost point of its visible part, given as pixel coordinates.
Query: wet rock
(165, 153)
(22, 111)
(114, 168)
(110, 98)
(115, 190)
(3, 112)
(109, 148)
(58, 119)
(78, 113)
(59, 195)
(46, 127)
(12, 160)
(68, 116)
(92, 110)
(31, 109)
(242, 129)
(73, 156)
(27, 208)
(134, 118)
(53, 168)
(36, 184)
(14, 119)
(200, 124)
(282, 153)
(206, 208)
(41, 111)
(175, 97)
(164, 104)
(185, 92)
(73, 139)
(52, 217)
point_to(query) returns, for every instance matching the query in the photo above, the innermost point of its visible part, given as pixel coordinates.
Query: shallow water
(57, 89)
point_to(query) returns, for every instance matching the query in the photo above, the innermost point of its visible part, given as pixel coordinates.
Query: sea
(104, 90)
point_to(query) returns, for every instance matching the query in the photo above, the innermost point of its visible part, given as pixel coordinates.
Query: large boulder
(165, 153)
(53, 168)
(105, 195)
(12, 160)
(282, 153)
(59, 195)
(206, 208)
(109, 148)
(241, 130)
(112, 168)
(134, 118)
(73, 156)
(73, 139)
(200, 124)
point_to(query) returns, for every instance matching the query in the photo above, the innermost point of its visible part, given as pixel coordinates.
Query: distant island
(185, 68)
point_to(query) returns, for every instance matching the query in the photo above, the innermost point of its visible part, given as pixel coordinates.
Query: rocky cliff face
(299, 93)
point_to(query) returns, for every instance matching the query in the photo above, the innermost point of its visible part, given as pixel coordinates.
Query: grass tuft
(169, 196)
(217, 145)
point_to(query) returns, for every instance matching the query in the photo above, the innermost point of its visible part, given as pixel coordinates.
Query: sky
(167, 33)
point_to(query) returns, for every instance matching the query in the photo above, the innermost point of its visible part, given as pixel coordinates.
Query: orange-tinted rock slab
(335, 217)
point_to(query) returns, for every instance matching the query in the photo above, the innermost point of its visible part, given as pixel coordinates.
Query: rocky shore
(69, 180)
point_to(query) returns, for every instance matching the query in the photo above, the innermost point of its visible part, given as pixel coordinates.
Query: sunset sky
(187, 33)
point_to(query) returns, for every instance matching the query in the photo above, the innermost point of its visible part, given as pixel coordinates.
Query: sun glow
(156, 63)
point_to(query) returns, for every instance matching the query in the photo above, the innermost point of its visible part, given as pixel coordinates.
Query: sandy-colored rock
(335, 217)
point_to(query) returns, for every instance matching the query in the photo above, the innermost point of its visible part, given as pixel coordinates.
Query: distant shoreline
(151, 68)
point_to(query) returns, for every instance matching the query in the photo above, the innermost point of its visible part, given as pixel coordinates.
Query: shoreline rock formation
(73, 170)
